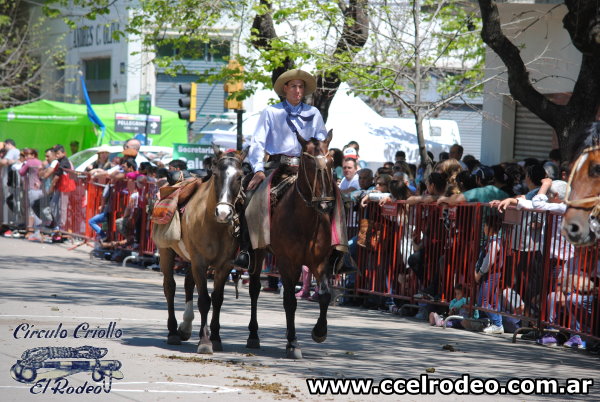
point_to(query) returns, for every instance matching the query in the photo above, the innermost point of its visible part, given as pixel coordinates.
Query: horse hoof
(184, 335)
(217, 346)
(174, 340)
(205, 349)
(293, 353)
(318, 339)
(253, 343)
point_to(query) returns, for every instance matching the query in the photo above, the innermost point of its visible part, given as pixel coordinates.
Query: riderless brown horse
(300, 235)
(207, 239)
(581, 222)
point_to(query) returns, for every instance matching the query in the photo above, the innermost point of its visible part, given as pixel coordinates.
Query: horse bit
(588, 203)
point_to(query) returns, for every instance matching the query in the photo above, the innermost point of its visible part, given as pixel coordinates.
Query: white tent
(379, 138)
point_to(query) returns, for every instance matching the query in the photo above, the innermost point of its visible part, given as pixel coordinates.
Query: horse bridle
(584, 202)
(591, 204)
(240, 194)
(321, 171)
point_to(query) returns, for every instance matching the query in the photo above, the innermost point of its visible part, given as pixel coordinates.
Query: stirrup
(242, 260)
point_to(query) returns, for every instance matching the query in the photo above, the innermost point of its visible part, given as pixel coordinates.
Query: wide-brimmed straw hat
(310, 83)
(103, 148)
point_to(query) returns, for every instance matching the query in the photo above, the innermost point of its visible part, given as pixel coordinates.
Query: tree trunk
(583, 24)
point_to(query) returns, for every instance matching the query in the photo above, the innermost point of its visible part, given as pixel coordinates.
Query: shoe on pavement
(547, 340)
(494, 329)
(8, 233)
(439, 321)
(302, 295)
(575, 342)
(35, 236)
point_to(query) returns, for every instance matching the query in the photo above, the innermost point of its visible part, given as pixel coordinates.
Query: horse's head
(227, 176)
(315, 178)
(581, 222)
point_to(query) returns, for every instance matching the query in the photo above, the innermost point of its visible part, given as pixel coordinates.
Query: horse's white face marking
(223, 212)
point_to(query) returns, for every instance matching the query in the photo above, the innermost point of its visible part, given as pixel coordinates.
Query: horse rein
(584, 203)
(321, 169)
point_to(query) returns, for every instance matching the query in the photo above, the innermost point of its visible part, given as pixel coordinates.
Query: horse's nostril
(573, 228)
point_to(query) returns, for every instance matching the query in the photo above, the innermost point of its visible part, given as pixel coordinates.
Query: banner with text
(192, 154)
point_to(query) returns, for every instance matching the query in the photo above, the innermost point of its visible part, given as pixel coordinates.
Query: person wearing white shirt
(350, 181)
(275, 135)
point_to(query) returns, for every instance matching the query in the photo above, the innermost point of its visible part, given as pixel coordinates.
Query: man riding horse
(275, 135)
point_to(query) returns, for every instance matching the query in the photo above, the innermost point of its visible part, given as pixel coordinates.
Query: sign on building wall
(192, 154)
(136, 123)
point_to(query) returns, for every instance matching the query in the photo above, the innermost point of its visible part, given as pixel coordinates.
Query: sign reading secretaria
(136, 123)
(192, 154)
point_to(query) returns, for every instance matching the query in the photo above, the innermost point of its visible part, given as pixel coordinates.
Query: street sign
(136, 123)
(192, 154)
(145, 104)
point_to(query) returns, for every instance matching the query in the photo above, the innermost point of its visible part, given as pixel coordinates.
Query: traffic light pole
(240, 136)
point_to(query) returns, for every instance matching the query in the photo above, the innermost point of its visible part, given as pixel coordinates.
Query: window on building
(97, 79)
(214, 50)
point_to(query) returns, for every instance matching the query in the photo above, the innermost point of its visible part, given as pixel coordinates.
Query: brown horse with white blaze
(581, 222)
(207, 239)
(300, 235)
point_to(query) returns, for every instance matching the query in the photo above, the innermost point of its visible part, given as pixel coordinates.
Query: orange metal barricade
(537, 277)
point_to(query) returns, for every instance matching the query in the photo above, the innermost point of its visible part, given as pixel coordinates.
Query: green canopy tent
(44, 123)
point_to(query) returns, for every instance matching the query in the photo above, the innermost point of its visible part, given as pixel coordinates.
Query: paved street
(47, 287)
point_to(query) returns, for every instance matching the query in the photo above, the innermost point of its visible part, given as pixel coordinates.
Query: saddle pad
(165, 209)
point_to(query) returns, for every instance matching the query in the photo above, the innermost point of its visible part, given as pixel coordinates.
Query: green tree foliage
(24, 54)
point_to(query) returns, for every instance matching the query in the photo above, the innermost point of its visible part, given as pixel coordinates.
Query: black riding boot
(342, 262)
(242, 260)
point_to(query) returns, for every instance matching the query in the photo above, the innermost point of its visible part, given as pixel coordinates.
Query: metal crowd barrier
(539, 278)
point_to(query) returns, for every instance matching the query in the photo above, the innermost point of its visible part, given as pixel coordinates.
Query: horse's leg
(256, 257)
(217, 301)
(199, 271)
(167, 258)
(290, 274)
(185, 327)
(319, 332)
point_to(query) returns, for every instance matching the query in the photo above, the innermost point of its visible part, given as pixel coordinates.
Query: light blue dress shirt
(274, 136)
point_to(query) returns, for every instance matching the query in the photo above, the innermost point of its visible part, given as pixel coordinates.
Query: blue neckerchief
(295, 111)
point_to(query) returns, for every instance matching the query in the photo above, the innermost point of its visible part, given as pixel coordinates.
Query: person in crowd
(11, 153)
(454, 308)
(503, 180)
(177, 165)
(103, 162)
(465, 181)
(381, 190)
(470, 162)
(450, 168)
(436, 188)
(488, 271)
(487, 189)
(338, 159)
(516, 172)
(130, 168)
(365, 182)
(103, 211)
(30, 170)
(456, 152)
(354, 145)
(60, 189)
(400, 156)
(74, 145)
(442, 156)
(552, 165)
(534, 173)
(350, 181)
(389, 165)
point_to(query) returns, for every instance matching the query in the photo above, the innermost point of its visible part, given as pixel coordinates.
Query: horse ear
(301, 140)
(217, 150)
(329, 137)
(242, 155)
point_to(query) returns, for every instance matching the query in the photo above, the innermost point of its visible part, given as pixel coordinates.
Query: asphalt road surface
(99, 314)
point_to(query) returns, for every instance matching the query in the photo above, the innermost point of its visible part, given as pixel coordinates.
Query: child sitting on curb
(454, 309)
